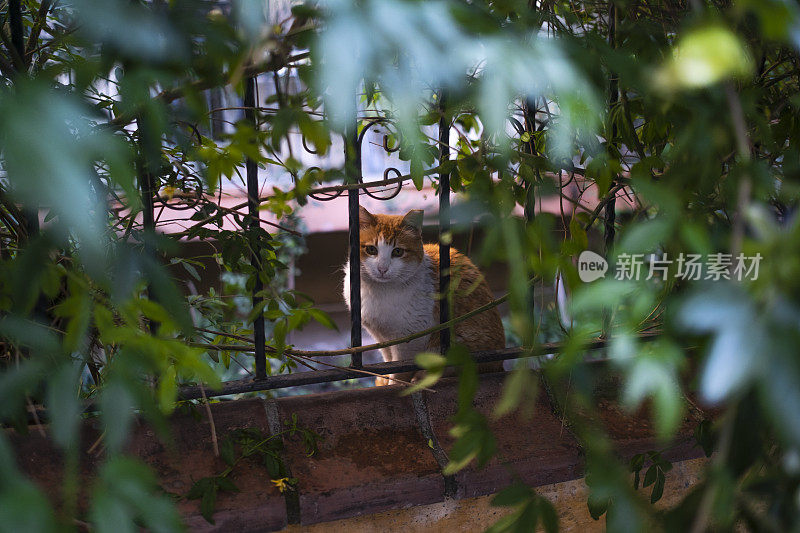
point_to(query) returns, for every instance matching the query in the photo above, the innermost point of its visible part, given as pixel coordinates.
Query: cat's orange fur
(483, 331)
(410, 285)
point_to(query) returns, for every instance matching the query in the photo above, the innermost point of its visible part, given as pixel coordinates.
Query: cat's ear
(413, 219)
(365, 218)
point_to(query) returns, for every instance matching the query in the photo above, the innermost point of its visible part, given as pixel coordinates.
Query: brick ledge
(379, 452)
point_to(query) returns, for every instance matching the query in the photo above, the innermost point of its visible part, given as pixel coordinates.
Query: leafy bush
(689, 109)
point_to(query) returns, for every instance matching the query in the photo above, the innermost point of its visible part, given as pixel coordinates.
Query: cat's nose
(383, 270)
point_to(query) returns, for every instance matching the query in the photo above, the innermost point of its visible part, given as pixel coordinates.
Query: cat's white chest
(392, 310)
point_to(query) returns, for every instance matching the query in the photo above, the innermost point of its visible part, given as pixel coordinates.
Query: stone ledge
(373, 457)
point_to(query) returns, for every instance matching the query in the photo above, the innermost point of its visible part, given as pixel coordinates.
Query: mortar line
(290, 497)
(424, 424)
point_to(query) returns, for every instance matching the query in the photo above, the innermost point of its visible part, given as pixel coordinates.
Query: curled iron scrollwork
(305, 145)
(394, 191)
(325, 196)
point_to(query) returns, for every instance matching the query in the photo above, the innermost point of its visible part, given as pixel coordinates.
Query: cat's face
(391, 246)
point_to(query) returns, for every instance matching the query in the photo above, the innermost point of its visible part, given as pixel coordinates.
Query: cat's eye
(371, 250)
(398, 252)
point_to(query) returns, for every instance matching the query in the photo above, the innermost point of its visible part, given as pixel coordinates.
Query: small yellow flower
(168, 192)
(282, 484)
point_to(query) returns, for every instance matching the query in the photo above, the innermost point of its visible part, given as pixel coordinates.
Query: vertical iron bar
(530, 186)
(352, 163)
(148, 220)
(17, 31)
(147, 184)
(444, 226)
(217, 124)
(148, 205)
(611, 206)
(259, 336)
(30, 211)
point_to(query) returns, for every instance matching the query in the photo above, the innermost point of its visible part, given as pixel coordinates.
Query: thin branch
(612, 195)
(358, 370)
(368, 347)
(275, 62)
(41, 20)
(299, 358)
(214, 443)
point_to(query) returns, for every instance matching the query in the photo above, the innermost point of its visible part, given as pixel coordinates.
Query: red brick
(539, 449)
(372, 456)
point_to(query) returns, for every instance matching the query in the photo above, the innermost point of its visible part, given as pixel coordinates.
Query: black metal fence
(353, 141)
(355, 186)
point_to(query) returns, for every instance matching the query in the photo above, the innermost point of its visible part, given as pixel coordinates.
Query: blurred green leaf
(738, 338)
(706, 55)
(64, 405)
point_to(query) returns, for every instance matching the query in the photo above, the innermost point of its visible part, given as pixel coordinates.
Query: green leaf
(110, 514)
(191, 270)
(645, 236)
(225, 483)
(199, 488)
(512, 495)
(650, 476)
(519, 384)
(658, 488)
(456, 464)
(24, 508)
(134, 486)
(430, 378)
(64, 405)
(167, 390)
(704, 436)
(739, 338)
(323, 318)
(704, 56)
(168, 295)
(430, 360)
(548, 515)
(597, 506)
(117, 404)
(274, 465)
(226, 451)
(505, 524)
(208, 503)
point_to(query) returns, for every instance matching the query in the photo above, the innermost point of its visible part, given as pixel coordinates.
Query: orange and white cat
(399, 281)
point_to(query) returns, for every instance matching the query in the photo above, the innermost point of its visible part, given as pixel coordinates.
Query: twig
(368, 347)
(96, 443)
(612, 195)
(36, 420)
(299, 358)
(214, 443)
(41, 21)
(170, 95)
(223, 334)
(360, 371)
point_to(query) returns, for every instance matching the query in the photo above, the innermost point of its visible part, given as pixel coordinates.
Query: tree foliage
(689, 108)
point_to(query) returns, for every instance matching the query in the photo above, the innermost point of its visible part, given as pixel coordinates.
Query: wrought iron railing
(354, 186)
